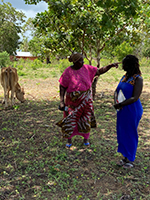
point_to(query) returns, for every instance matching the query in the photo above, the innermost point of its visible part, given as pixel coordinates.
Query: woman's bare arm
(103, 70)
(135, 96)
(62, 96)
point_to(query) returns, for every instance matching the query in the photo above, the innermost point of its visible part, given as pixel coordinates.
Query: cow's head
(20, 94)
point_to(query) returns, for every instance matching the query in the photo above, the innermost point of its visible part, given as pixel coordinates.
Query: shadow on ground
(36, 165)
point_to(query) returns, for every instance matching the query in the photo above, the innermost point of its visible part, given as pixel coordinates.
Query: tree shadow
(34, 159)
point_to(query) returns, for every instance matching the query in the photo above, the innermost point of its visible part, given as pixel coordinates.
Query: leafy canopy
(86, 26)
(10, 26)
(4, 59)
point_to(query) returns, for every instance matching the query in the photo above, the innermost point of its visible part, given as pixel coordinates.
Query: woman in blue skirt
(129, 110)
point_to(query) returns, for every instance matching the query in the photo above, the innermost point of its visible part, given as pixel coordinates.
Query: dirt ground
(49, 88)
(48, 170)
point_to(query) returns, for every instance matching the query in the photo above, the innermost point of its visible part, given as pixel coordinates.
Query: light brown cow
(9, 82)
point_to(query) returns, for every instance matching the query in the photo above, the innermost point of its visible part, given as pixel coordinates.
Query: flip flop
(86, 144)
(121, 162)
(128, 165)
(68, 145)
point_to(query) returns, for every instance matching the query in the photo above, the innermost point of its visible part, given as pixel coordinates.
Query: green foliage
(146, 47)
(86, 27)
(36, 69)
(63, 64)
(4, 59)
(122, 50)
(146, 52)
(10, 27)
(145, 63)
(24, 46)
(36, 64)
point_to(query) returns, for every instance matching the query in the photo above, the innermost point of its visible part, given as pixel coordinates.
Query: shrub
(36, 64)
(4, 59)
(63, 64)
(122, 50)
(20, 67)
(146, 52)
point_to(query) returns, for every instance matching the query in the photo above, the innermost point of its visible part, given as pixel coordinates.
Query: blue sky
(29, 10)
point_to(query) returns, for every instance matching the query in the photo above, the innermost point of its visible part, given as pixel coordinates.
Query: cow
(9, 82)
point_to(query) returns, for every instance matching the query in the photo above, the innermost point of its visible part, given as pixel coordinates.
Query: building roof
(24, 54)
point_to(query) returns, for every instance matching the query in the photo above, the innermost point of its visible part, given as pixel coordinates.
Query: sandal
(121, 162)
(86, 143)
(68, 145)
(128, 165)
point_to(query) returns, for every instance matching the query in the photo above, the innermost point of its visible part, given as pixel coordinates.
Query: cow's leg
(12, 96)
(6, 98)
(6, 94)
(12, 86)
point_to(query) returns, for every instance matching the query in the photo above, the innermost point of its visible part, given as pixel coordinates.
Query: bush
(36, 64)
(4, 59)
(122, 50)
(61, 64)
(146, 52)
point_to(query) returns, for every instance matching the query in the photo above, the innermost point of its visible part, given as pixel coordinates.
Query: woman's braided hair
(132, 64)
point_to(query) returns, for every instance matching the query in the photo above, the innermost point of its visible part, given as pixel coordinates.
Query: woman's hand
(118, 106)
(62, 106)
(115, 64)
(137, 90)
(62, 94)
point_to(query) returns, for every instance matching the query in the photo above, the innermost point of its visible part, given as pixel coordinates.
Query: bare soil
(34, 163)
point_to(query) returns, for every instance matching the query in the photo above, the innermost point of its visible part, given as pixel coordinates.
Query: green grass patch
(34, 163)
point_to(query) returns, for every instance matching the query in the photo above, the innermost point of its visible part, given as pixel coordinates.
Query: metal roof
(24, 54)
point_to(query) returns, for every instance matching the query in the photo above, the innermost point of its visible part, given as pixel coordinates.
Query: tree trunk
(95, 79)
(48, 60)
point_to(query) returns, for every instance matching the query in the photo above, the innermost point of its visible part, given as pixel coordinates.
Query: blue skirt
(128, 119)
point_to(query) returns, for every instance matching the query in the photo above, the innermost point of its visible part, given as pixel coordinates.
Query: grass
(34, 163)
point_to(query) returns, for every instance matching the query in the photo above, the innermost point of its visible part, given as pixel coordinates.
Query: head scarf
(75, 57)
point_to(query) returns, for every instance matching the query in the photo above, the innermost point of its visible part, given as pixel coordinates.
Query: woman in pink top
(76, 98)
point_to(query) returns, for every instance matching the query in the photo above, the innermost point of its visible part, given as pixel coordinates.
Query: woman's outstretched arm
(103, 70)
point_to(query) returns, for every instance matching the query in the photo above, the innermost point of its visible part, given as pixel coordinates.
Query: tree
(85, 25)
(37, 48)
(28, 27)
(145, 34)
(24, 46)
(88, 26)
(146, 48)
(10, 26)
(36, 45)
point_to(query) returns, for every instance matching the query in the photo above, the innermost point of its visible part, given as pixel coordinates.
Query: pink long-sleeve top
(78, 80)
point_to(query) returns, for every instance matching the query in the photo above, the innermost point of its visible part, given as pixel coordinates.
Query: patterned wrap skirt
(80, 114)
